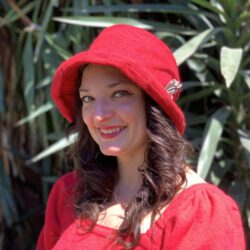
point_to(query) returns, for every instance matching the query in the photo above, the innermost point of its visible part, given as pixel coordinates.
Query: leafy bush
(211, 42)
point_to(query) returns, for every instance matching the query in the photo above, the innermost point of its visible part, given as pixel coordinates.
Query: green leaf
(193, 119)
(106, 21)
(134, 8)
(238, 191)
(198, 95)
(101, 21)
(218, 171)
(207, 5)
(60, 51)
(246, 76)
(51, 59)
(173, 28)
(162, 8)
(230, 59)
(45, 23)
(190, 47)
(44, 82)
(29, 73)
(245, 142)
(35, 13)
(12, 16)
(170, 36)
(35, 113)
(212, 135)
(193, 84)
(61, 144)
(243, 41)
(243, 17)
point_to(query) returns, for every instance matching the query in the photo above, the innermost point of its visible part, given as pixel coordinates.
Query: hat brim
(64, 85)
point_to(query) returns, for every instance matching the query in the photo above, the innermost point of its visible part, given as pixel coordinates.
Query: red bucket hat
(139, 55)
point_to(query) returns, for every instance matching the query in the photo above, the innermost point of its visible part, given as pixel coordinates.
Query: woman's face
(113, 109)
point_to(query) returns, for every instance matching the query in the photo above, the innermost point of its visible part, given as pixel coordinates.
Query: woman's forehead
(93, 69)
(94, 74)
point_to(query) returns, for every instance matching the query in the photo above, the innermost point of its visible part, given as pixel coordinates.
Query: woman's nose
(103, 111)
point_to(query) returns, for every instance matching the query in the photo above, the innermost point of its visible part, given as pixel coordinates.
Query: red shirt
(200, 217)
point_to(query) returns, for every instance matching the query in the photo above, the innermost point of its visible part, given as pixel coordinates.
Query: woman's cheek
(127, 105)
(132, 108)
(86, 116)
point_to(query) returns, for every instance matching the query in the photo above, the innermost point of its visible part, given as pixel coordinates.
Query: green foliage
(211, 42)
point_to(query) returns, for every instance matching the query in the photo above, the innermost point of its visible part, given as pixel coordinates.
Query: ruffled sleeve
(203, 217)
(59, 213)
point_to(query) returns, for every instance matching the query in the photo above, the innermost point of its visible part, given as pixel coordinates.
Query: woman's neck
(130, 179)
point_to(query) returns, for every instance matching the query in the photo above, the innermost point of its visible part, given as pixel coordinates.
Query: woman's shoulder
(198, 196)
(64, 185)
(59, 211)
(197, 188)
(205, 210)
(67, 180)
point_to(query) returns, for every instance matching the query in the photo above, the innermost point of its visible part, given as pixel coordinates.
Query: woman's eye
(87, 99)
(121, 93)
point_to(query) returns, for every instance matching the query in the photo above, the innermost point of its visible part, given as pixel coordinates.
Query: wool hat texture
(139, 55)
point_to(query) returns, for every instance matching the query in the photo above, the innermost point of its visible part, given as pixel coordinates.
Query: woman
(131, 187)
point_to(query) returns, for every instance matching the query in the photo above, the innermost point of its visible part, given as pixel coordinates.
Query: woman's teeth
(110, 131)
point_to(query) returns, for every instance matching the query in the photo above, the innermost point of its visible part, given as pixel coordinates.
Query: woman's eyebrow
(110, 85)
(83, 90)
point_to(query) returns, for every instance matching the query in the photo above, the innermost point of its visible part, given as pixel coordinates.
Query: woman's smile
(109, 132)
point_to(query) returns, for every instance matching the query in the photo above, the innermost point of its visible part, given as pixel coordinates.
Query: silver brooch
(173, 86)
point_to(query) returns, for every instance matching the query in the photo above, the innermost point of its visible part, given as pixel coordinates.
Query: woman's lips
(111, 131)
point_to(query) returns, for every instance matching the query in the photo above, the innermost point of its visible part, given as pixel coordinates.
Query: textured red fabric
(59, 212)
(138, 54)
(200, 217)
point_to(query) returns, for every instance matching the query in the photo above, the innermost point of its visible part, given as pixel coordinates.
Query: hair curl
(163, 173)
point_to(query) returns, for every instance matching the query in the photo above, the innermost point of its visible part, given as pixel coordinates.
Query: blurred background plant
(211, 41)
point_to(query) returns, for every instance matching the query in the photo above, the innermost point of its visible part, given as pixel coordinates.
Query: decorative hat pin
(173, 86)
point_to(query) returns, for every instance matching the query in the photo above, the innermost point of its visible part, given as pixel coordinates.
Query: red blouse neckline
(102, 230)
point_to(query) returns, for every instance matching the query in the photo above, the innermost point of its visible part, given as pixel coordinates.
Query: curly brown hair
(163, 173)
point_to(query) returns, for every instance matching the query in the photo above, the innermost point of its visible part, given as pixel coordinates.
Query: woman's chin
(111, 151)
